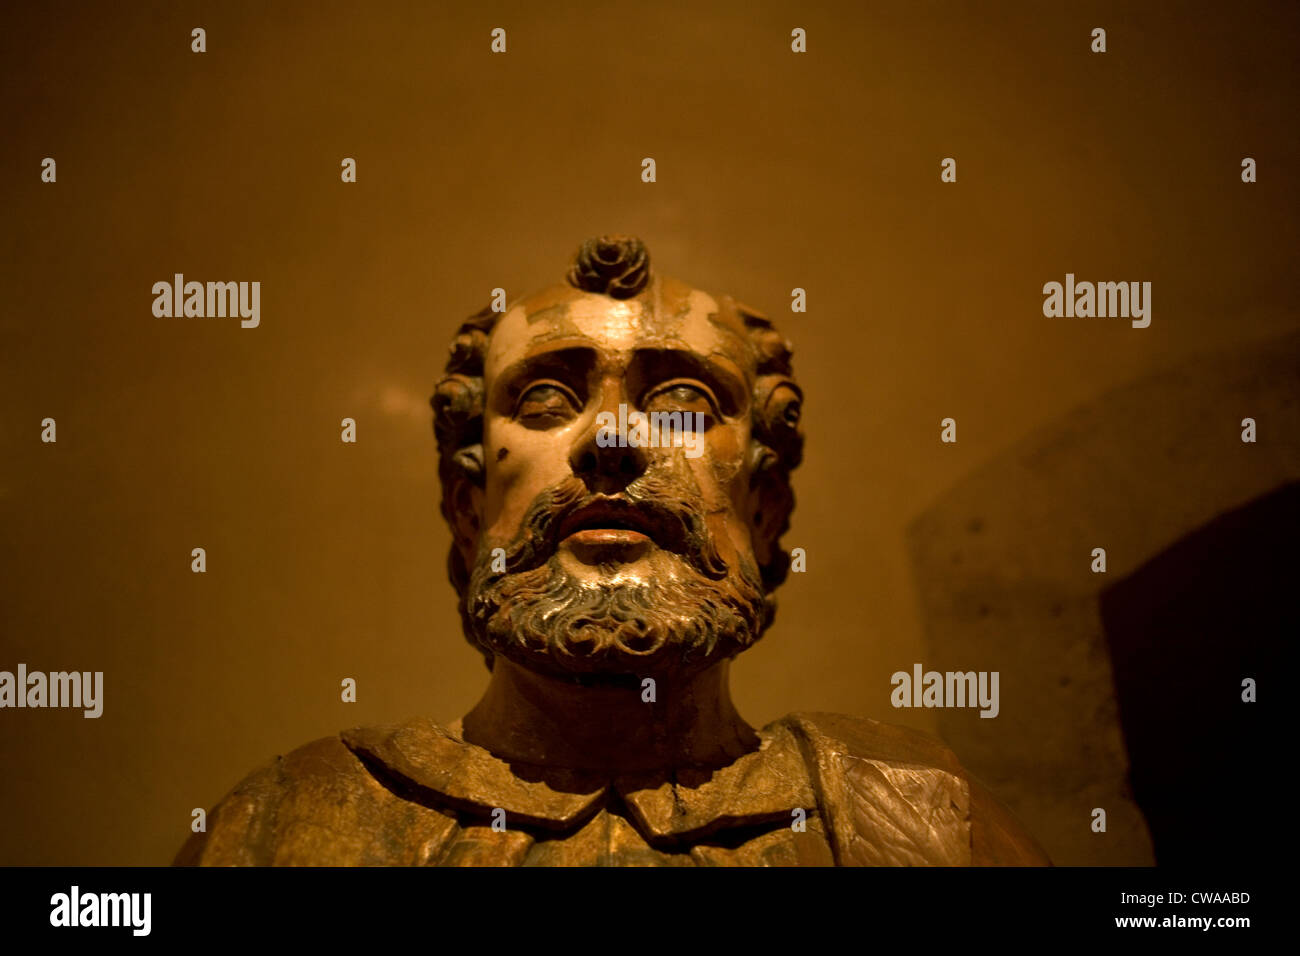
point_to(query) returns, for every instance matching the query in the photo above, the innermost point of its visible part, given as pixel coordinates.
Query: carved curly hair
(618, 266)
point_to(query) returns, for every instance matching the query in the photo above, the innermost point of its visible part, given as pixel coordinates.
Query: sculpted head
(586, 545)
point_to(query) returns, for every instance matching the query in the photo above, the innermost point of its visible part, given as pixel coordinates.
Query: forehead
(673, 316)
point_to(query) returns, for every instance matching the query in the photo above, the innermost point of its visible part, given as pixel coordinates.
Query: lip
(609, 522)
(598, 537)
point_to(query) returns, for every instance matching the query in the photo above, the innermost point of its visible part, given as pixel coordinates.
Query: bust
(615, 454)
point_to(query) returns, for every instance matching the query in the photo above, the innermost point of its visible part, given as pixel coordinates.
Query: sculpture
(608, 577)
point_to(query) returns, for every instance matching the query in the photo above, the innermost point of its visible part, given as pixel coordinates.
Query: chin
(615, 571)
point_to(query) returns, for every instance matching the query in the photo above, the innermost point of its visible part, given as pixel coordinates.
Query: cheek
(520, 463)
(727, 468)
(723, 478)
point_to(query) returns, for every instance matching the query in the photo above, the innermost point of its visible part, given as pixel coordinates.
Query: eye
(546, 403)
(683, 396)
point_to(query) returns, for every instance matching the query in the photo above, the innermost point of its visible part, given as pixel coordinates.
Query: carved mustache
(652, 505)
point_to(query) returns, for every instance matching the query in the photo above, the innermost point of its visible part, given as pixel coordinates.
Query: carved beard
(538, 615)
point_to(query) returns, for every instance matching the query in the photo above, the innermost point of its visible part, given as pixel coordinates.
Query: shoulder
(898, 796)
(864, 738)
(318, 805)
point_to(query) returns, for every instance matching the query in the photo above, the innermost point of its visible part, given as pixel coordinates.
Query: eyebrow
(727, 382)
(566, 356)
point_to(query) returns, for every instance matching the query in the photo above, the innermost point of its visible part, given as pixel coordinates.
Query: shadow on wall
(1183, 632)
(1142, 663)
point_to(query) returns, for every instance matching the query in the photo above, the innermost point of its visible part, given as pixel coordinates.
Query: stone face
(418, 794)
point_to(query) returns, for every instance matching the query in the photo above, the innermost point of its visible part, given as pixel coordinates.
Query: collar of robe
(433, 764)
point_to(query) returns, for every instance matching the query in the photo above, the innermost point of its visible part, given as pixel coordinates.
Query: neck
(540, 720)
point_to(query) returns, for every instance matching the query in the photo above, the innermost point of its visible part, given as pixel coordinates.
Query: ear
(777, 446)
(462, 500)
(769, 506)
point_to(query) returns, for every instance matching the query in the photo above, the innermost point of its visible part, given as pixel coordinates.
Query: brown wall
(775, 170)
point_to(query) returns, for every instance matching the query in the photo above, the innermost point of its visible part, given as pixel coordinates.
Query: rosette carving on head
(616, 266)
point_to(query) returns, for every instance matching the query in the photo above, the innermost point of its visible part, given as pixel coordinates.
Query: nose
(609, 467)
